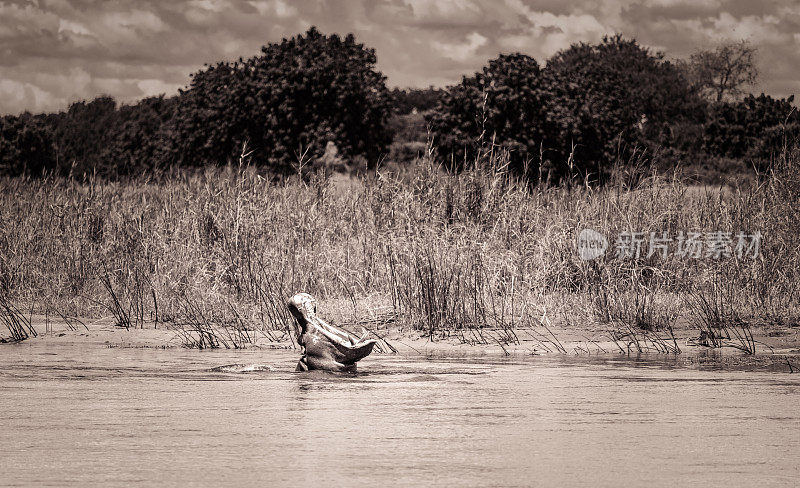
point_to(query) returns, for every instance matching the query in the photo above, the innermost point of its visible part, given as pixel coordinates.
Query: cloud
(461, 51)
(545, 33)
(54, 52)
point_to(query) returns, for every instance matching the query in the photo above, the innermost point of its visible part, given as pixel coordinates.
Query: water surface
(72, 416)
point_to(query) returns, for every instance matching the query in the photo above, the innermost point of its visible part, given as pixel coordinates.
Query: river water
(77, 416)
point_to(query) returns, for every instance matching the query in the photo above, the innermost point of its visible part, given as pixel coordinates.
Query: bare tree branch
(723, 72)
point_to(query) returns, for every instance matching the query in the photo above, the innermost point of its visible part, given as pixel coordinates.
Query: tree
(722, 73)
(604, 99)
(82, 133)
(26, 145)
(136, 140)
(287, 103)
(758, 128)
(502, 104)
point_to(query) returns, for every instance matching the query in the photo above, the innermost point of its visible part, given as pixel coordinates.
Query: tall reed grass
(221, 249)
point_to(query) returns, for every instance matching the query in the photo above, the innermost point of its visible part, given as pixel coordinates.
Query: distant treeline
(587, 108)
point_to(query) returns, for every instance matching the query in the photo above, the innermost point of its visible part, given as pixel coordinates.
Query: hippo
(324, 346)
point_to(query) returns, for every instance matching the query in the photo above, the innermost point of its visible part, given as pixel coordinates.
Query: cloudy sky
(53, 52)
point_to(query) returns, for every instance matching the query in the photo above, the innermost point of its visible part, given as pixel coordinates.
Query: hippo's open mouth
(325, 347)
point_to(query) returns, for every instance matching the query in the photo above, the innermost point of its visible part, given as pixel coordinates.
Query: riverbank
(777, 348)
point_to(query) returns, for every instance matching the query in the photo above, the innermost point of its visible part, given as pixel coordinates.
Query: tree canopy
(26, 145)
(287, 103)
(589, 106)
(605, 98)
(500, 105)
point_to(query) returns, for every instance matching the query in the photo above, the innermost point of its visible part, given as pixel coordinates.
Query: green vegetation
(576, 116)
(501, 106)
(286, 103)
(220, 250)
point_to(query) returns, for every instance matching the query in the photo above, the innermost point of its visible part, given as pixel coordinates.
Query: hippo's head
(325, 347)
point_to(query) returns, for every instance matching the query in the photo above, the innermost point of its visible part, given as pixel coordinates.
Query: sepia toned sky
(54, 52)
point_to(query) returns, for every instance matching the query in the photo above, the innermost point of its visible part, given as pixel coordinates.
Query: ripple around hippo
(241, 368)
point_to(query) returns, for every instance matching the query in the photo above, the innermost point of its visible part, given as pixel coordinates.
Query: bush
(500, 105)
(99, 137)
(289, 101)
(137, 141)
(83, 132)
(409, 100)
(604, 99)
(589, 107)
(411, 127)
(759, 128)
(26, 145)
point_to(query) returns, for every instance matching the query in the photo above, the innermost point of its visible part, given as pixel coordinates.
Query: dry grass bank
(214, 254)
